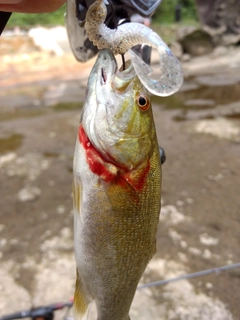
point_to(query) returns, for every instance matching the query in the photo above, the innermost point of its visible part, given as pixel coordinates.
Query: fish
(128, 35)
(116, 190)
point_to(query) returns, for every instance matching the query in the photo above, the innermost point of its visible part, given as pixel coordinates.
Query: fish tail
(82, 301)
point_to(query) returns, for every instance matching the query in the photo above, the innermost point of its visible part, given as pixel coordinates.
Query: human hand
(30, 6)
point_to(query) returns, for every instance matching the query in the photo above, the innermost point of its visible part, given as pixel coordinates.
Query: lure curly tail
(127, 35)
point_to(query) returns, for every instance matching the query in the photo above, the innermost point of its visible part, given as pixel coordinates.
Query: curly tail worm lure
(127, 35)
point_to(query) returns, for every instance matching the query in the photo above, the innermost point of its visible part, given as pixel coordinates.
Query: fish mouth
(104, 76)
(109, 74)
(105, 66)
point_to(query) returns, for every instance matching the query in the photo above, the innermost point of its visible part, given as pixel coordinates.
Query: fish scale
(117, 186)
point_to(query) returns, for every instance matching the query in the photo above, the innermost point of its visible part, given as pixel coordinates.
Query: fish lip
(110, 74)
(105, 67)
(103, 76)
(123, 78)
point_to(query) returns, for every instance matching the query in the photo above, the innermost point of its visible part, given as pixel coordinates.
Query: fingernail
(10, 1)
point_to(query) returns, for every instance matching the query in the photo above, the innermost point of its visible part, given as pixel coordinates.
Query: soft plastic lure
(127, 35)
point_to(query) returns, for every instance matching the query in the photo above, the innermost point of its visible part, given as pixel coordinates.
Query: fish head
(117, 115)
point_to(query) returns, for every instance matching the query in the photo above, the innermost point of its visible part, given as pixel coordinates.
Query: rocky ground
(41, 95)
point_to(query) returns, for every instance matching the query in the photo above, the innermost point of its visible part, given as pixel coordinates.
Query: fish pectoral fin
(82, 301)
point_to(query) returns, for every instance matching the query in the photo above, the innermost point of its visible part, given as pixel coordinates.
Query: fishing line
(123, 62)
(41, 311)
(190, 276)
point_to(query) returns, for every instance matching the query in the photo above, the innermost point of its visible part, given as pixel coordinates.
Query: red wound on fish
(137, 178)
(107, 171)
(94, 159)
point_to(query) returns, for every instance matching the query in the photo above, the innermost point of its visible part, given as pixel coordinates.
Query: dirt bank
(40, 101)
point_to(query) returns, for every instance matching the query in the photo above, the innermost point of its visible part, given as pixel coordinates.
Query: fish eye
(143, 102)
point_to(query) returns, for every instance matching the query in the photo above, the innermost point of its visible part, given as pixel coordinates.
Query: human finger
(30, 6)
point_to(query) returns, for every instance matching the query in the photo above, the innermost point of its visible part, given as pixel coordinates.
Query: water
(36, 99)
(200, 96)
(10, 143)
(203, 100)
(204, 97)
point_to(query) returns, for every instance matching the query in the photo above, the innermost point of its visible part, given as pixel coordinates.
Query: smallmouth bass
(117, 190)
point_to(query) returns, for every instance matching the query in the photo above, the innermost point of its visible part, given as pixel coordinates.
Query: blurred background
(42, 90)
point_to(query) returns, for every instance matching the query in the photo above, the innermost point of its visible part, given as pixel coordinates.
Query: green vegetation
(165, 14)
(46, 19)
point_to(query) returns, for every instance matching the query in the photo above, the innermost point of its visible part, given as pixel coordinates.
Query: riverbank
(41, 94)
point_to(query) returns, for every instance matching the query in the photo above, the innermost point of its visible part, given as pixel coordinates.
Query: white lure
(127, 35)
